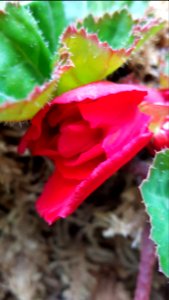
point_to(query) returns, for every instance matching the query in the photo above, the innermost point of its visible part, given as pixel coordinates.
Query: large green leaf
(155, 193)
(25, 60)
(29, 106)
(26, 83)
(51, 18)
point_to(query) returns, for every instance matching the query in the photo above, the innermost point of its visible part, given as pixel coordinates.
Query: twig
(147, 261)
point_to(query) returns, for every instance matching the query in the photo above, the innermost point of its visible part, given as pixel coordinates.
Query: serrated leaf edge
(146, 207)
(137, 30)
(59, 69)
(72, 29)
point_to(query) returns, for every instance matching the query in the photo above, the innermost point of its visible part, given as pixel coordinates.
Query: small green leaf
(120, 30)
(91, 59)
(147, 31)
(136, 8)
(155, 193)
(115, 29)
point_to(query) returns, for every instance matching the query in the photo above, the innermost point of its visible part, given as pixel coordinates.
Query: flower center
(76, 138)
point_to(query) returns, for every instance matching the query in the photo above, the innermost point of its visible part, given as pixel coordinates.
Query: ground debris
(95, 249)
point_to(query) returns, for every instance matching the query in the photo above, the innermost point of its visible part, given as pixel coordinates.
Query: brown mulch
(92, 255)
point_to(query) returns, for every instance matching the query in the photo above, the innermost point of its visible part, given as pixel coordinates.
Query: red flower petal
(62, 196)
(75, 138)
(95, 151)
(96, 90)
(89, 132)
(112, 110)
(34, 130)
(165, 94)
(125, 134)
(81, 171)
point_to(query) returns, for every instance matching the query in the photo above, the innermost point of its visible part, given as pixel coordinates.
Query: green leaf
(69, 11)
(28, 107)
(22, 51)
(147, 31)
(115, 29)
(59, 14)
(120, 30)
(136, 8)
(28, 41)
(91, 59)
(25, 66)
(51, 18)
(155, 193)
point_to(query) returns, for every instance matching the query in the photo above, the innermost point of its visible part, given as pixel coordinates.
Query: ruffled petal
(62, 196)
(56, 113)
(81, 171)
(112, 110)
(114, 140)
(53, 203)
(76, 137)
(94, 152)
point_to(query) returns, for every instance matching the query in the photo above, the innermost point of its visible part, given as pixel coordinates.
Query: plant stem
(147, 261)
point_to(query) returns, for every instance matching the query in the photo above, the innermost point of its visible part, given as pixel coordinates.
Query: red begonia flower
(160, 117)
(89, 133)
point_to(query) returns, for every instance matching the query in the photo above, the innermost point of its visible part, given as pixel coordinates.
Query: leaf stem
(147, 261)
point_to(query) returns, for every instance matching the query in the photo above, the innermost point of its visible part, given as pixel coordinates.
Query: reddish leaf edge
(60, 67)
